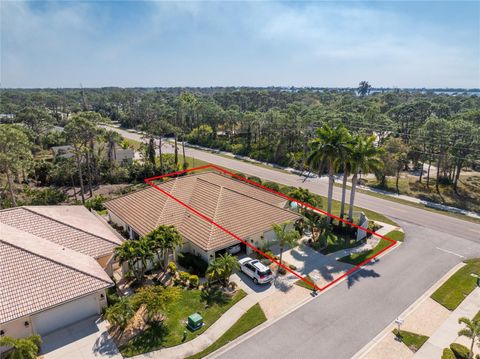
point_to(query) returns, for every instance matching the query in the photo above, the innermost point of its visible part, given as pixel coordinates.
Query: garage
(66, 314)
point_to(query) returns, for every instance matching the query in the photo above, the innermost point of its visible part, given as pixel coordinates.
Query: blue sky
(103, 43)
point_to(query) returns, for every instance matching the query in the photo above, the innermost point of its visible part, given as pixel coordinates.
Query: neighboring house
(121, 156)
(62, 151)
(243, 209)
(53, 263)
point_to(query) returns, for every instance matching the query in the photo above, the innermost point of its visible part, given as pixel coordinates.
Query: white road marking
(450, 252)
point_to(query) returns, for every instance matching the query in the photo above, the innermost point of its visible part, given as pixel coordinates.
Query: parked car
(253, 268)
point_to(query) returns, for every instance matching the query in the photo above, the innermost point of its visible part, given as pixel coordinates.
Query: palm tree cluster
(221, 268)
(138, 253)
(334, 150)
(24, 348)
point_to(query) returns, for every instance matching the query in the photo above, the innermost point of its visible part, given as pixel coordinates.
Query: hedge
(460, 351)
(193, 263)
(448, 354)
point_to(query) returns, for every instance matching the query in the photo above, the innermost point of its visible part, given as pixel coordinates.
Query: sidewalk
(448, 331)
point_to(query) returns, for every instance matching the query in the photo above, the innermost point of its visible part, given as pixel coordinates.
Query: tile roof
(69, 226)
(237, 206)
(37, 274)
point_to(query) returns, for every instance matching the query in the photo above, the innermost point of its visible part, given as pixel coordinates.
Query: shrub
(95, 203)
(448, 354)
(255, 179)
(460, 351)
(184, 277)
(282, 270)
(49, 196)
(272, 185)
(292, 267)
(172, 267)
(194, 281)
(193, 263)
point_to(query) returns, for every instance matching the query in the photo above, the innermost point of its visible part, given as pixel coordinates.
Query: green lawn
(413, 341)
(252, 318)
(458, 286)
(171, 332)
(302, 283)
(357, 258)
(396, 235)
(336, 243)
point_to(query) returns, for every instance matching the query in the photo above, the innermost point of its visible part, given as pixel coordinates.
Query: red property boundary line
(224, 171)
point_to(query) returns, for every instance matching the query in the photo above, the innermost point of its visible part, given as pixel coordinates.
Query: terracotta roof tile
(65, 234)
(38, 274)
(237, 206)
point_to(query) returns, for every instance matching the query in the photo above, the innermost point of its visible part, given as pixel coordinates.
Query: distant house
(53, 263)
(62, 151)
(243, 209)
(121, 156)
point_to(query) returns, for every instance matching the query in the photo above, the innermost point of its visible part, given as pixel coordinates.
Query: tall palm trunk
(352, 195)
(330, 190)
(421, 174)
(176, 149)
(73, 186)
(439, 162)
(428, 172)
(457, 175)
(160, 153)
(344, 192)
(10, 188)
(183, 150)
(89, 174)
(80, 177)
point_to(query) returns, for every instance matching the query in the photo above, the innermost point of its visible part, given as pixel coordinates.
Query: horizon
(396, 44)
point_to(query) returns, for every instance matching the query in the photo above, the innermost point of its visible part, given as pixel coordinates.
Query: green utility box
(195, 321)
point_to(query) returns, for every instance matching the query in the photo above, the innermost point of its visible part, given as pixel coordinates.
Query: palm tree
(364, 88)
(113, 138)
(25, 348)
(136, 253)
(347, 168)
(330, 145)
(222, 268)
(164, 240)
(471, 330)
(365, 157)
(285, 237)
(120, 313)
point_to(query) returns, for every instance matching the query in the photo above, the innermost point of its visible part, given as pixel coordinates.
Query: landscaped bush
(184, 277)
(292, 267)
(255, 179)
(96, 203)
(194, 281)
(282, 270)
(448, 354)
(172, 267)
(195, 264)
(460, 351)
(272, 185)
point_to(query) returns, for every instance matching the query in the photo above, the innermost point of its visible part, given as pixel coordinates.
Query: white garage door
(66, 314)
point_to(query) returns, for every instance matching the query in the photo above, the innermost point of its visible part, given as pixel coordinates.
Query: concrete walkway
(448, 331)
(215, 331)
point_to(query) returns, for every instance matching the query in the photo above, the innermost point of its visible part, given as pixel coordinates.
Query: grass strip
(252, 318)
(357, 258)
(413, 341)
(458, 286)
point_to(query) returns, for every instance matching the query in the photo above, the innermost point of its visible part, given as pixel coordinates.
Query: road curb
(370, 345)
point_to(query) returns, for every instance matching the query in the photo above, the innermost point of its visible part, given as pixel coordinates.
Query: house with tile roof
(243, 209)
(54, 262)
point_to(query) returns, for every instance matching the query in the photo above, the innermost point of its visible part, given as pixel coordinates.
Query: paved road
(342, 320)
